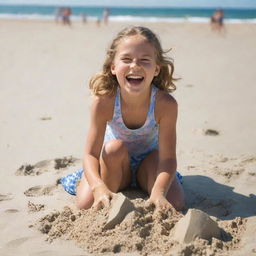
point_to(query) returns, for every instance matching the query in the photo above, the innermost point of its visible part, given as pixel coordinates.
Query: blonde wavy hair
(105, 83)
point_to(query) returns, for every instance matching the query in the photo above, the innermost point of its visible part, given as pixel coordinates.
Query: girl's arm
(167, 149)
(100, 114)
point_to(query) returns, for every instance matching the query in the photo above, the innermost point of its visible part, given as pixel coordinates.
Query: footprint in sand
(40, 191)
(64, 162)
(5, 197)
(32, 207)
(46, 166)
(37, 169)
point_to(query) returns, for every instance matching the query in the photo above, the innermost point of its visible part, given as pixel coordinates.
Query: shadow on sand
(217, 199)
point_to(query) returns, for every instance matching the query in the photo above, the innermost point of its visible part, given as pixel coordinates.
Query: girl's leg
(146, 176)
(84, 196)
(114, 171)
(115, 166)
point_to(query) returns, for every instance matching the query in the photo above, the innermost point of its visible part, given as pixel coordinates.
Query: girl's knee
(113, 148)
(114, 165)
(84, 203)
(84, 196)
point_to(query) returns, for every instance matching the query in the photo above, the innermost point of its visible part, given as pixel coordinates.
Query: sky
(148, 3)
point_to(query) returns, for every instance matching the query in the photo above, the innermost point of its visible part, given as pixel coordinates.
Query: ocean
(150, 14)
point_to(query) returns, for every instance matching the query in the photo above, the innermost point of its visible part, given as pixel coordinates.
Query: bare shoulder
(165, 99)
(103, 106)
(166, 105)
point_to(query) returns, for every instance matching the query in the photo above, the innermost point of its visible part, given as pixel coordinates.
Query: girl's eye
(145, 60)
(126, 60)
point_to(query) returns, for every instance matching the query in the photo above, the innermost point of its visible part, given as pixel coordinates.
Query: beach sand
(44, 73)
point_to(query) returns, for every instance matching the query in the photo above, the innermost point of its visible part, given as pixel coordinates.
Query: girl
(132, 134)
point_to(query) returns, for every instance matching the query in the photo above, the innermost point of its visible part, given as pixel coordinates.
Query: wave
(127, 18)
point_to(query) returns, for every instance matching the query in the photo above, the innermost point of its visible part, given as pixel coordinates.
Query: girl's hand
(160, 203)
(102, 196)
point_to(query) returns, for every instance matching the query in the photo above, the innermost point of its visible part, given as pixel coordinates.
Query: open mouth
(134, 79)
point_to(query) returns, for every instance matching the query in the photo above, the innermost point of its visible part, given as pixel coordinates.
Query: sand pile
(143, 231)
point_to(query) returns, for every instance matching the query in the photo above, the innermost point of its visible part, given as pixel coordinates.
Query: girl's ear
(157, 71)
(113, 71)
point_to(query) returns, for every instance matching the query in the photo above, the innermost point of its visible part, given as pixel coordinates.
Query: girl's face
(134, 64)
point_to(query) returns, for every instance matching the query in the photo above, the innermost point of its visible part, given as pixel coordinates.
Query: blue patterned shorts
(70, 181)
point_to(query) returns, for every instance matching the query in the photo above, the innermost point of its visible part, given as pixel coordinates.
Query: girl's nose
(135, 64)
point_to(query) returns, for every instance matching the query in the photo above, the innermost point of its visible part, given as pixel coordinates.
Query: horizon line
(127, 6)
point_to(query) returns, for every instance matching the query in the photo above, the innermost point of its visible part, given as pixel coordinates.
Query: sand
(44, 73)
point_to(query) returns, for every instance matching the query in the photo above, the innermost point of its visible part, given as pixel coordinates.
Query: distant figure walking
(63, 14)
(66, 16)
(105, 16)
(217, 20)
